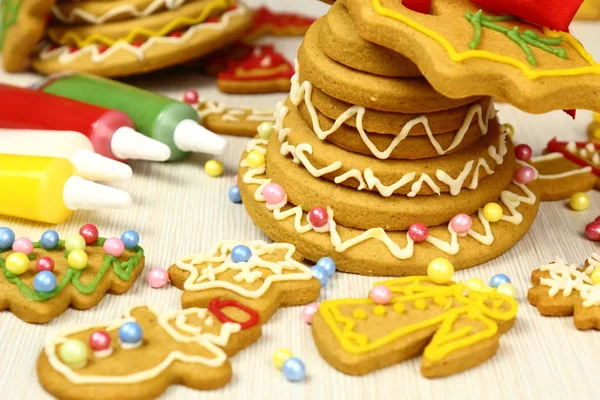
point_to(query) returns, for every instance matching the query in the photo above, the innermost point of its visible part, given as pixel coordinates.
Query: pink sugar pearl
(523, 152)
(23, 245)
(114, 247)
(190, 97)
(418, 232)
(525, 175)
(309, 312)
(158, 277)
(381, 294)
(461, 223)
(273, 194)
(235, 180)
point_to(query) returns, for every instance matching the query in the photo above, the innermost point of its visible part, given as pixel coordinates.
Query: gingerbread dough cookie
(589, 10)
(561, 289)
(411, 95)
(140, 355)
(80, 282)
(340, 41)
(269, 23)
(271, 278)
(225, 120)
(464, 52)
(454, 331)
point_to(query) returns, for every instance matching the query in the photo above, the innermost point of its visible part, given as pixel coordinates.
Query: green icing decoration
(123, 270)
(523, 39)
(9, 11)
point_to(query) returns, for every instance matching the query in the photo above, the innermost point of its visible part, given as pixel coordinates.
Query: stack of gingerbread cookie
(385, 158)
(118, 38)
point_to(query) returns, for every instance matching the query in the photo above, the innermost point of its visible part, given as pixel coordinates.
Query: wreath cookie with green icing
(41, 279)
(465, 50)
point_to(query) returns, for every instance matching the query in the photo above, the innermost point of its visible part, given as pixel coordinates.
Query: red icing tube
(110, 131)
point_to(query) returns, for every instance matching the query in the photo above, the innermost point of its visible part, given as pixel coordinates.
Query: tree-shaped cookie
(40, 280)
(561, 289)
(453, 330)
(141, 354)
(261, 276)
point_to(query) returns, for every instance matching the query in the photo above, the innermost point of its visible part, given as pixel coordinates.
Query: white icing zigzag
(568, 277)
(510, 199)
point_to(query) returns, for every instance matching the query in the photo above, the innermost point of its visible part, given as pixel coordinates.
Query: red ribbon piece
(553, 14)
(216, 306)
(421, 6)
(571, 113)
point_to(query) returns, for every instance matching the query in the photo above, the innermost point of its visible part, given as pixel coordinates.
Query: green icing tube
(169, 121)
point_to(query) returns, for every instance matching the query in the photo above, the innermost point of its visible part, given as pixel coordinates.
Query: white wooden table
(179, 210)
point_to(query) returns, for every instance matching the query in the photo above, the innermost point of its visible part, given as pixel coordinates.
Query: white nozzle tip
(81, 194)
(129, 144)
(191, 136)
(96, 167)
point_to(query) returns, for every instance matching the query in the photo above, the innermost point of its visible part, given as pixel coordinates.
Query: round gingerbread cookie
(156, 52)
(409, 95)
(377, 251)
(453, 173)
(340, 41)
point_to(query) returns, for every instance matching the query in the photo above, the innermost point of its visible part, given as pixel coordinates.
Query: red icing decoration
(215, 306)
(264, 16)
(261, 58)
(553, 14)
(421, 6)
(213, 19)
(102, 48)
(219, 60)
(555, 146)
(175, 34)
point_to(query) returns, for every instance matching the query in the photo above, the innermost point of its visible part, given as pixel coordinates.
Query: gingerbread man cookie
(267, 22)
(589, 10)
(410, 316)
(561, 289)
(138, 356)
(40, 280)
(258, 275)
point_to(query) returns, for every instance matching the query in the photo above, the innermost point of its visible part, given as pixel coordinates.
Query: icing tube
(110, 131)
(73, 146)
(46, 189)
(164, 119)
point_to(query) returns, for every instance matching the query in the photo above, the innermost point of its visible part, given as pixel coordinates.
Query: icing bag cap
(191, 136)
(95, 167)
(81, 194)
(129, 144)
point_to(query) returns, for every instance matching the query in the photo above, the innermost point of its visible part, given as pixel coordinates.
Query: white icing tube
(73, 146)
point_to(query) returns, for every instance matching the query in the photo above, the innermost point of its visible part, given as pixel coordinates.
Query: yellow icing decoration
(379, 310)
(525, 68)
(596, 117)
(420, 288)
(134, 33)
(359, 314)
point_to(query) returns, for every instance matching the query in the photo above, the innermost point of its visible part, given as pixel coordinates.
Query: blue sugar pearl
(49, 239)
(130, 239)
(498, 280)
(241, 253)
(130, 333)
(293, 369)
(7, 237)
(44, 282)
(234, 194)
(327, 264)
(320, 274)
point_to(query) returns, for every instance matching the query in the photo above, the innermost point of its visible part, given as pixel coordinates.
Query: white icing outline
(218, 261)
(550, 157)
(65, 56)
(233, 114)
(568, 277)
(209, 341)
(510, 199)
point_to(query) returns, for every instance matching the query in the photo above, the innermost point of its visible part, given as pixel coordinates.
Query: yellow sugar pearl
(255, 159)
(507, 289)
(379, 310)
(359, 313)
(509, 129)
(596, 133)
(492, 212)
(596, 117)
(474, 285)
(595, 276)
(17, 263)
(78, 259)
(440, 270)
(280, 356)
(579, 201)
(214, 168)
(399, 308)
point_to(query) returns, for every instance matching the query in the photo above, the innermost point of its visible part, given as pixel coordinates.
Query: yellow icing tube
(46, 189)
